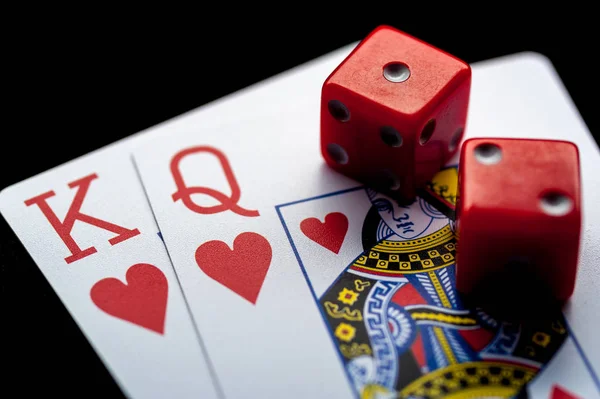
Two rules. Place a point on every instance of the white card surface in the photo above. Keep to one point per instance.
(209, 184)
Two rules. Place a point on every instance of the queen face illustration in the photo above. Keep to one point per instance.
(405, 221)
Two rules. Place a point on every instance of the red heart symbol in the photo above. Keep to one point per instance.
(559, 392)
(142, 301)
(329, 234)
(243, 269)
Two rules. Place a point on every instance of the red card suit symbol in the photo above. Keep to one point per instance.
(243, 269)
(142, 301)
(330, 234)
(560, 393)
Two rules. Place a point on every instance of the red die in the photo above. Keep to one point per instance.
(518, 214)
(393, 112)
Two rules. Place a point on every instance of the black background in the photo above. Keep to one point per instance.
(75, 86)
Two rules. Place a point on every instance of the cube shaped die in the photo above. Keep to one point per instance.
(394, 111)
(518, 211)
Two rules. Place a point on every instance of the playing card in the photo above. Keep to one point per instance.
(88, 226)
(261, 291)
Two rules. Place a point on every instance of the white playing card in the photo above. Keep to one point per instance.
(88, 226)
(215, 191)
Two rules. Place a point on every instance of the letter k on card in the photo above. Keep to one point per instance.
(64, 228)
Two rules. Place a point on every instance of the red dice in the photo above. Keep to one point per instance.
(393, 112)
(518, 214)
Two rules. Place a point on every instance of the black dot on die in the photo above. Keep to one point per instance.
(463, 383)
(471, 370)
(448, 375)
(427, 132)
(505, 382)
(455, 139)
(484, 380)
(495, 370)
(338, 110)
(390, 136)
